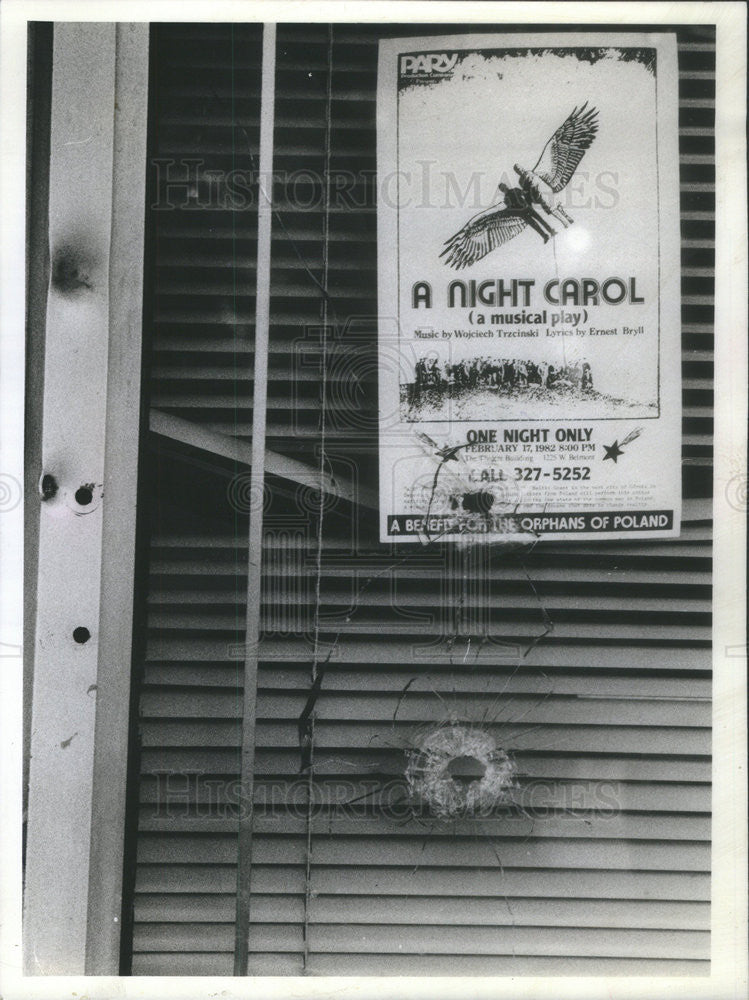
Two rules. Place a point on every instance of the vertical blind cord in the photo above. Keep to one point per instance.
(321, 496)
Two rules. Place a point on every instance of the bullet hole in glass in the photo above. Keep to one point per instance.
(466, 769)
(84, 495)
(48, 486)
(81, 634)
(480, 502)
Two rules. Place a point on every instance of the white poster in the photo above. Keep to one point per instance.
(529, 287)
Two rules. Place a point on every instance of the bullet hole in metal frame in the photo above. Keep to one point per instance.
(81, 634)
(71, 269)
(84, 495)
(48, 486)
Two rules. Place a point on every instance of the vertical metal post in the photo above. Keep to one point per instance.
(39, 91)
(257, 483)
(91, 376)
(120, 500)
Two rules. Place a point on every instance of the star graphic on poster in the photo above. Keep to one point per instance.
(613, 451)
(448, 453)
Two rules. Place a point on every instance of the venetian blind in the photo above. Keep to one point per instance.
(589, 662)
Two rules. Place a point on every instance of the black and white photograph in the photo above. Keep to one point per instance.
(373, 494)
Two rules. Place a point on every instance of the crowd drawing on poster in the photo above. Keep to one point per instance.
(485, 386)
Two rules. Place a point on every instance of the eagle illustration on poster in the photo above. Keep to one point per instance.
(504, 220)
